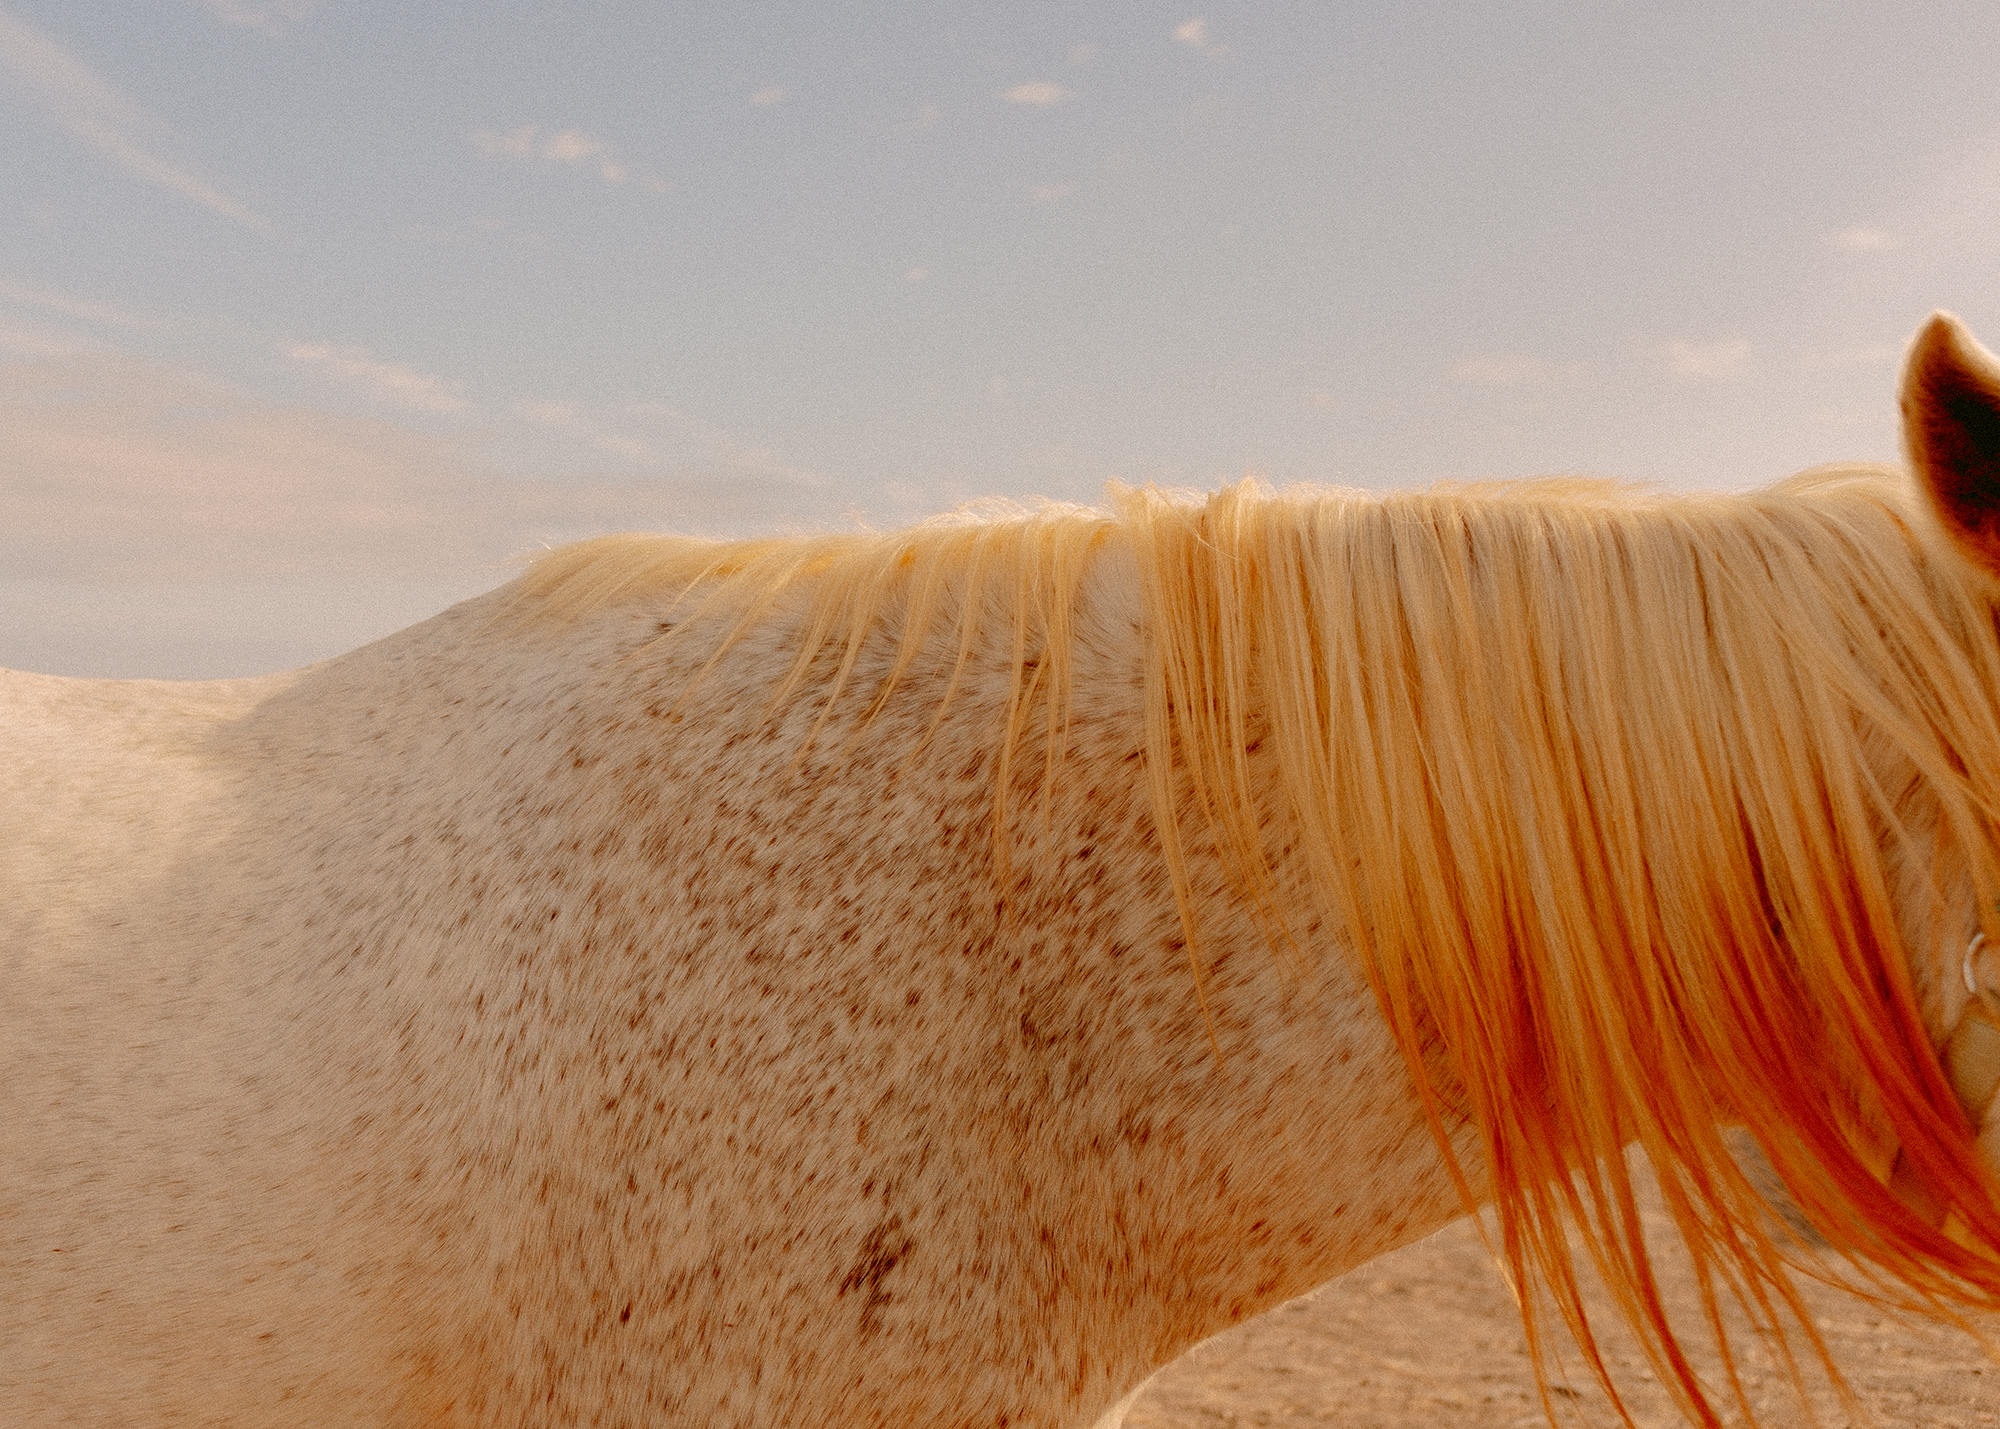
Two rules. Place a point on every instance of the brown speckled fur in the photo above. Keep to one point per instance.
(458, 1032)
(503, 1027)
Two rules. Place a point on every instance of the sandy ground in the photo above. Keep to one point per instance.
(1429, 1337)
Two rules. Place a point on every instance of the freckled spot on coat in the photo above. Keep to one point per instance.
(882, 1250)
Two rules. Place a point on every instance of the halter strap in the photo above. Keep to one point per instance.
(1972, 1065)
(1972, 1052)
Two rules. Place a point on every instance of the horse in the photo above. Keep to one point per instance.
(936, 977)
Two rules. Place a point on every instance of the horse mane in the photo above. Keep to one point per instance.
(1615, 796)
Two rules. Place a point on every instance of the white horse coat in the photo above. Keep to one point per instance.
(443, 1034)
(502, 1026)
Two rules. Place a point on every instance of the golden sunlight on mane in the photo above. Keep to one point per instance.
(1610, 792)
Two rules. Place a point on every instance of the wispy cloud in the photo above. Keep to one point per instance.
(1037, 91)
(1049, 193)
(917, 275)
(722, 450)
(101, 314)
(1082, 54)
(273, 18)
(115, 470)
(1945, 233)
(39, 342)
(1194, 34)
(385, 381)
(1861, 240)
(101, 117)
(1702, 360)
(1875, 355)
(769, 94)
(1502, 369)
(563, 146)
(567, 417)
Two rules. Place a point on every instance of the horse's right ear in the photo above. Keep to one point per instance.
(1951, 425)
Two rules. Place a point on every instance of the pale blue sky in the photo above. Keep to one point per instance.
(315, 313)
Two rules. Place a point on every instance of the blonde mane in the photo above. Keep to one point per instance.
(1615, 797)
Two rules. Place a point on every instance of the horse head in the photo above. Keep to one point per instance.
(1951, 427)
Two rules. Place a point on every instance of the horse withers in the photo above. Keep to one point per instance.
(937, 977)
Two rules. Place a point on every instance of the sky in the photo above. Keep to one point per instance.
(319, 315)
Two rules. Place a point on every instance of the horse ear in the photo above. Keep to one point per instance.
(1951, 425)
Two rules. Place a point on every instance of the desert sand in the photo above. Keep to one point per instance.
(1429, 1337)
